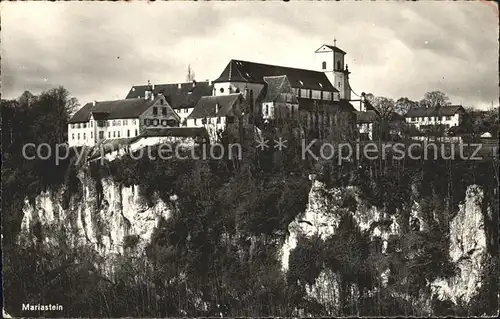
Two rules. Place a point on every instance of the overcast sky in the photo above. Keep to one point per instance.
(99, 50)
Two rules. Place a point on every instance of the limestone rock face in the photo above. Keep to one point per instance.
(467, 240)
(100, 218)
(467, 250)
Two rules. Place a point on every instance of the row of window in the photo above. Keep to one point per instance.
(157, 122)
(163, 110)
(339, 66)
(182, 111)
(432, 118)
(211, 120)
(313, 94)
(114, 134)
(103, 123)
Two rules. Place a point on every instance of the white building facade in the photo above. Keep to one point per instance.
(110, 120)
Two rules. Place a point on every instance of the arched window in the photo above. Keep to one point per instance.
(338, 65)
(323, 65)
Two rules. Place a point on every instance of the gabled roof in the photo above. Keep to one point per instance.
(206, 106)
(251, 72)
(331, 47)
(447, 110)
(184, 97)
(118, 109)
(277, 88)
(312, 105)
(369, 116)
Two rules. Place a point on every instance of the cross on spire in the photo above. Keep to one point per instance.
(334, 42)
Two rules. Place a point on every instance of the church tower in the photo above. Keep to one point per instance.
(330, 59)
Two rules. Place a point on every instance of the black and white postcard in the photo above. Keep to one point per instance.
(250, 159)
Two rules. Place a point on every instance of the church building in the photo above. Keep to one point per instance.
(244, 93)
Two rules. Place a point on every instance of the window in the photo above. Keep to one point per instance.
(164, 110)
(146, 122)
(91, 135)
(323, 65)
(101, 135)
(155, 110)
(413, 119)
(156, 122)
(73, 136)
(204, 121)
(448, 118)
(114, 134)
(218, 120)
(136, 132)
(91, 123)
(267, 110)
(84, 136)
(118, 134)
(84, 125)
(338, 65)
(128, 133)
(186, 110)
(161, 101)
(164, 122)
(316, 94)
(310, 94)
(78, 125)
(78, 135)
(125, 122)
(195, 120)
(109, 134)
(221, 90)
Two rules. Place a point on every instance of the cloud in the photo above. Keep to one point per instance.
(99, 50)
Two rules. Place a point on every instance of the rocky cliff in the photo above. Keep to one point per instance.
(345, 253)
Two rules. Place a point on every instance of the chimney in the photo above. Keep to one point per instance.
(209, 82)
(179, 86)
(194, 83)
(94, 102)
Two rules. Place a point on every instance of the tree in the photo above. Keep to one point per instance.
(385, 106)
(190, 74)
(404, 104)
(27, 99)
(434, 98)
